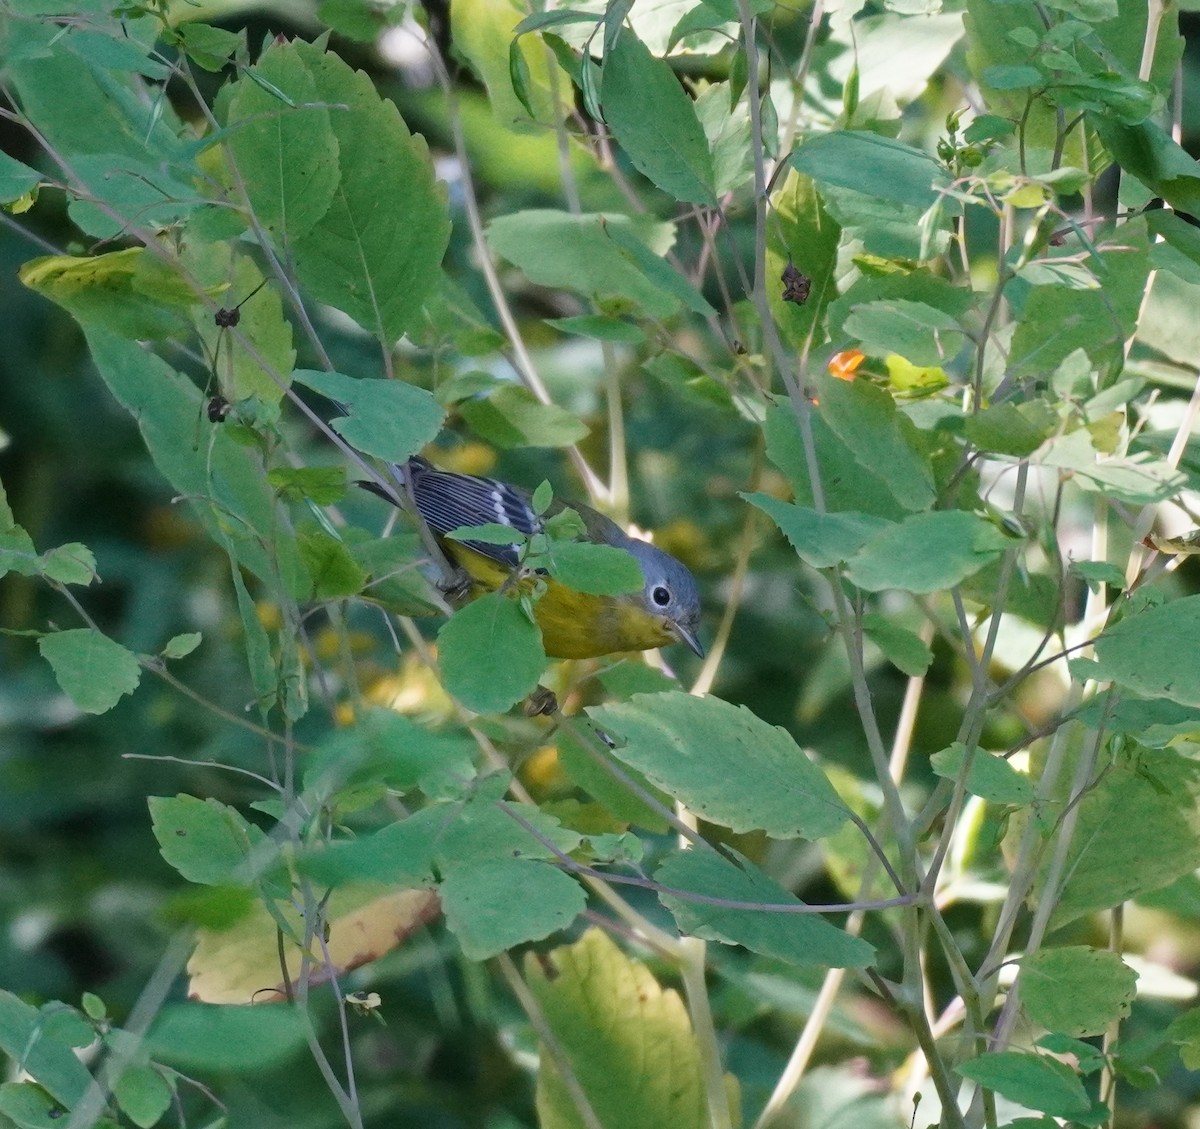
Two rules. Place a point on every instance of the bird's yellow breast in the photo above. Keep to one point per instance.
(575, 625)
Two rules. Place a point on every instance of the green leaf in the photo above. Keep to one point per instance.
(511, 416)
(903, 648)
(584, 770)
(685, 746)
(221, 480)
(1057, 320)
(487, 830)
(881, 438)
(919, 333)
(628, 1041)
(322, 485)
(42, 1043)
(483, 914)
(990, 777)
(180, 645)
(1151, 154)
(375, 254)
(400, 854)
(1150, 788)
(394, 579)
(799, 939)
(70, 564)
(484, 33)
(209, 842)
(287, 155)
(94, 671)
(263, 366)
(598, 569)
(387, 418)
(1033, 1081)
(803, 232)
(848, 485)
(1012, 429)
(225, 1038)
(1154, 652)
(129, 292)
(16, 179)
(207, 47)
(822, 540)
(334, 571)
(1139, 478)
(655, 122)
(1077, 990)
(29, 1106)
(600, 328)
(926, 553)
(1096, 573)
(657, 269)
(578, 253)
(1184, 1032)
(873, 165)
(143, 1095)
(490, 654)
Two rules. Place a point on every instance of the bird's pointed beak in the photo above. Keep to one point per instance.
(686, 635)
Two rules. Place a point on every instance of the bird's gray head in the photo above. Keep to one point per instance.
(670, 592)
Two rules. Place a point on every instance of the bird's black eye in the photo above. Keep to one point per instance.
(661, 596)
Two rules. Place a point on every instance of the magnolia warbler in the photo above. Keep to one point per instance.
(575, 625)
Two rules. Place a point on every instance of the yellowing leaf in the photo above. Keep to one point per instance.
(240, 965)
(129, 292)
(629, 1042)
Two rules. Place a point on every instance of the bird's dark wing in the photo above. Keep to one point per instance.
(447, 501)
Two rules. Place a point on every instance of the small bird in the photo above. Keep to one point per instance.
(575, 625)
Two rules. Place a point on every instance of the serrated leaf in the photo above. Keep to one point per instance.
(262, 368)
(70, 564)
(180, 645)
(921, 334)
(1012, 429)
(28, 1039)
(511, 416)
(1077, 990)
(485, 917)
(388, 418)
(906, 650)
(199, 1037)
(375, 254)
(576, 252)
(655, 122)
(990, 777)
(143, 1094)
(490, 654)
(223, 481)
(821, 540)
(685, 745)
(286, 155)
(209, 842)
(926, 553)
(628, 1041)
(1033, 1081)
(799, 939)
(95, 672)
(130, 292)
(866, 420)
(601, 570)
(873, 165)
(334, 571)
